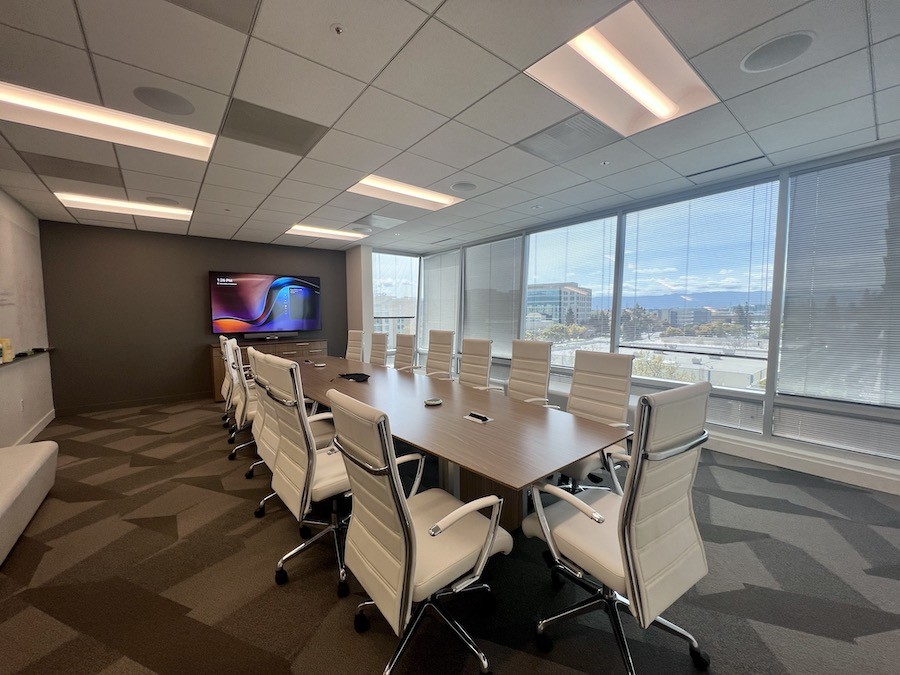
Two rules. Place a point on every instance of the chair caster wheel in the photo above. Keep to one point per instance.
(595, 478)
(249, 474)
(281, 577)
(556, 580)
(544, 642)
(305, 532)
(343, 589)
(700, 659)
(232, 455)
(361, 623)
(260, 512)
(225, 425)
(231, 440)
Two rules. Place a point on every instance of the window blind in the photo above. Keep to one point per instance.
(493, 293)
(395, 288)
(841, 324)
(439, 299)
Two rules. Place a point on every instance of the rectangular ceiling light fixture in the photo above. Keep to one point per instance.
(324, 233)
(48, 111)
(90, 203)
(624, 72)
(402, 193)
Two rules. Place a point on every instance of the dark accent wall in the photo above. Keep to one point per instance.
(128, 312)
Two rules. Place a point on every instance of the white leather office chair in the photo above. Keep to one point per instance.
(226, 383)
(439, 361)
(405, 356)
(354, 345)
(408, 552)
(643, 548)
(378, 356)
(305, 472)
(601, 384)
(243, 395)
(529, 372)
(264, 427)
(475, 363)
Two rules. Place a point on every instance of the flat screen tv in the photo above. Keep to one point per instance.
(264, 303)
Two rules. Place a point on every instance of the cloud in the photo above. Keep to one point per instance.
(657, 270)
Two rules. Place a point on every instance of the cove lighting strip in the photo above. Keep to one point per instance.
(324, 233)
(90, 203)
(57, 113)
(600, 53)
(402, 193)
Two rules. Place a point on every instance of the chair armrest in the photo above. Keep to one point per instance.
(618, 425)
(491, 387)
(406, 369)
(408, 458)
(543, 401)
(439, 375)
(573, 500)
(550, 405)
(461, 512)
(320, 417)
(618, 455)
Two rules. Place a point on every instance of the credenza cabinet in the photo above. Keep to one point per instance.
(293, 350)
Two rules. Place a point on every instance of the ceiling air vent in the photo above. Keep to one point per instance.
(569, 139)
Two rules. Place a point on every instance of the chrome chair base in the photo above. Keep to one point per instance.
(613, 603)
(338, 528)
(251, 471)
(361, 624)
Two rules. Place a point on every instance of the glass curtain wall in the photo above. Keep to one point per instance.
(439, 298)
(395, 287)
(492, 292)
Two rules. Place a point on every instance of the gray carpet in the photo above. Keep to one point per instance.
(146, 558)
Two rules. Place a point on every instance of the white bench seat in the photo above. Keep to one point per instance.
(27, 472)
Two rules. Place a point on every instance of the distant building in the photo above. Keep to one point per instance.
(553, 302)
(687, 316)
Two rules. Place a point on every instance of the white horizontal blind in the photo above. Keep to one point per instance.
(841, 326)
(746, 415)
(570, 286)
(439, 300)
(493, 293)
(395, 288)
(838, 431)
(696, 287)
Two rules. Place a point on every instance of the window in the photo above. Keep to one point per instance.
(439, 300)
(570, 286)
(696, 288)
(841, 328)
(493, 293)
(395, 285)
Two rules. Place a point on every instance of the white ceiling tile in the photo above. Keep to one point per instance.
(840, 80)
(665, 187)
(538, 207)
(163, 225)
(550, 180)
(707, 23)
(252, 157)
(54, 19)
(741, 169)
(164, 38)
(206, 207)
(329, 244)
(325, 174)
(822, 124)
(885, 58)
(415, 170)
(557, 215)
(522, 31)
(263, 227)
(276, 79)
(306, 192)
(839, 27)
(885, 19)
(518, 109)
(214, 193)
(202, 230)
(39, 63)
(437, 219)
(137, 159)
(161, 184)
(100, 216)
(210, 220)
(48, 211)
(352, 152)
(509, 165)
(504, 196)
(457, 145)
(253, 235)
(295, 207)
(605, 204)
(435, 70)
(38, 195)
(715, 155)
(887, 105)
(281, 218)
(119, 80)
(84, 188)
(355, 202)
(345, 216)
(319, 221)
(823, 148)
(586, 192)
(614, 158)
(384, 118)
(293, 240)
(230, 177)
(640, 177)
(699, 128)
(501, 217)
(373, 32)
(476, 226)
(106, 223)
(470, 209)
(136, 195)
(481, 184)
(20, 179)
(9, 159)
(55, 144)
(401, 212)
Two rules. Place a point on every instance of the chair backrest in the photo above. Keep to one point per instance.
(237, 392)
(440, 352)
(354, 345)
(265, 424)
(380, 548)
(295, 464)
(601, 383)
(378, 357)
(226, 380)
(662, 549)
(405, 357)
(246, 396)
(475, 363)
(529, 370)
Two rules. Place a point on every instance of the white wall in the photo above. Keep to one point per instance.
(26, 397)
(359, 294)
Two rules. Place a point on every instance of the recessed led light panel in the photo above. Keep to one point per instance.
(403, 193)
(89, 203)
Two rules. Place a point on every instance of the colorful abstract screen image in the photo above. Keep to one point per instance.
(263, 303)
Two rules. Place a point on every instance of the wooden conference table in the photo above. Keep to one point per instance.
(523, 444)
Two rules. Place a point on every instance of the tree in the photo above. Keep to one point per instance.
(570, 316)
(651, 364)
(636, 321)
